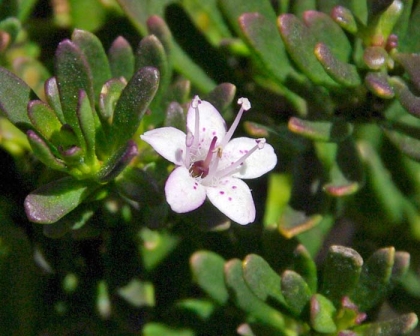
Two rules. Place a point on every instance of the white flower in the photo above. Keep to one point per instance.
(210, 163)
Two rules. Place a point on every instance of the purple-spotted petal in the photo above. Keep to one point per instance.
(233, 198)
(184, 193)
(260, 162)
(168, 142)
(211, 124)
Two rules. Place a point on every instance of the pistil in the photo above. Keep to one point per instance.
(201, 168)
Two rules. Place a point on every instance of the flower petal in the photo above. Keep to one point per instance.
(184, 193)
(168, 142)
(260, 162)
(233, 197)
(211, 124)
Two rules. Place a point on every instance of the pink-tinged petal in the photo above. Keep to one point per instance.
(260, 162)
(168, 142)
(233, 198)
(184, 193)
(211, 124)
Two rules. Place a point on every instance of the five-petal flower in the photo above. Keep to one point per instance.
(211, 164)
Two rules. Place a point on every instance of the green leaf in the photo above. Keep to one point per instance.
(341, 272)
(343, 73)
(246, 300)
(12, 27)
(329, 34)
(208, 19)
(262, 280)
(49, 203)
(155, 246)
(44, 153)
(346, 174)
(110, 93)
(151, 53)
(133, 103)
(294, 222)
(73, 75)
(402, 325)
(300, 42)
(322, 314)
(53, 98)
(175, 117)
(334, 131)
(139, 12)
(382, 24)
(44, 119)
(264, 40)
(88, 127)
(410, 43)
(87, 14)
(233, 9)
(407, 99)
(401, 266)
(405, 136)
(139, 186)
(374, 282)
(121, 58)
(221, 96)
(295, 292)
(377, 83)
(115, 164)
(96, 58)
(305, 266)
(208, 271)
(387, 195)
(344, 18)
(159, 329)
(14, 97)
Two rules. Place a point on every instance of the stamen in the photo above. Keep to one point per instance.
(195, 102)
(230, 169)
(245, 106)
(188, 143)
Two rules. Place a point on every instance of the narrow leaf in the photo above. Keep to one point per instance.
(49, 203)
(96, 58)
(121, 58)
(133, 103)
(43, 152)
(343, 73)
(117, 162)
(44, 119)
(73, 75)
(266, 43)
(53, 98)
(14, 97)
(334, 131)
(300, 43)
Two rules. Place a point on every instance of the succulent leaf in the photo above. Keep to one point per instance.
(49, 203)
(133, 103)
(121, 58)
(207, 270)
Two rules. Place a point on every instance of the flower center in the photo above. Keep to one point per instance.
(201, 168)
(207, 169)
